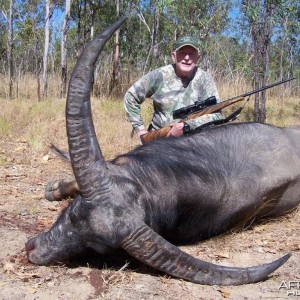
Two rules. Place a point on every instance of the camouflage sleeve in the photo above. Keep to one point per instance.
(136, 95)
(194, 123)
(210, 90)
(132, 106)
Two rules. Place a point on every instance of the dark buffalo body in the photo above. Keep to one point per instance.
(199, 186)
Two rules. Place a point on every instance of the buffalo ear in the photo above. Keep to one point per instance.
(150, 248)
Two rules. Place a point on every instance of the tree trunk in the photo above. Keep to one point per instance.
(82, 31)
(115, 78)
(64, 67)
(10, 51)
(92, 20)
(155, 43)
(46, 49)
(261, 31)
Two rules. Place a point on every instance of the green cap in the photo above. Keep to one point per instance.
(187, 41)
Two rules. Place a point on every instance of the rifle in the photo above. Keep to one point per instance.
(200, 108)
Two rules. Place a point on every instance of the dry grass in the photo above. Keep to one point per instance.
(26, 87)
(34, 122)
(280, 112)
(42, 123)
(282, 109)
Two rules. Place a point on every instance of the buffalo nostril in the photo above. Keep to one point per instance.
(29, 246)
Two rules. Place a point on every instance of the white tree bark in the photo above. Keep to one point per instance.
(64, 66)
(10, 50)
(115, 78)
(9, 19)
(46, 48)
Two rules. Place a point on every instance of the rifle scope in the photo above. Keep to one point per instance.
(199, 105)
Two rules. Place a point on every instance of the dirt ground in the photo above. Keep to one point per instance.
(24, 212)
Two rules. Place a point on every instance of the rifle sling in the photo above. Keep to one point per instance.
(228, 119)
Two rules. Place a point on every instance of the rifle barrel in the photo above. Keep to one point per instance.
(264, 88)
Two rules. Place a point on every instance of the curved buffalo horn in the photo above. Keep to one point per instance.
(150, 248)
(88, 163)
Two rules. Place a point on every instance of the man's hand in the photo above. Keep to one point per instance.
(141, 132)
(176, 130)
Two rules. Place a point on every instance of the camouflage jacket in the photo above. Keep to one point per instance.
(169, 93)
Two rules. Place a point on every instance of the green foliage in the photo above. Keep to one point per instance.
(157, 24)
(147, 38)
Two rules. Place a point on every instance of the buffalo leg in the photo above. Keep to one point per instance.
(57, 190)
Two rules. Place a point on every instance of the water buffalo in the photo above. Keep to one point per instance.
(169, 191)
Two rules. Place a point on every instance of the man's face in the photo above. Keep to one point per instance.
(185, 60)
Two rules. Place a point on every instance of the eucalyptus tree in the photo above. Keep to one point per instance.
(115, 77)
(10, 48)
(286, 49)
(65, 27)
(264, 18)
(90, 16)
(29, 26)
(161, 22)
(8, 15)
(3, 39)
(260, 15)
(202, 19)
(49, 11)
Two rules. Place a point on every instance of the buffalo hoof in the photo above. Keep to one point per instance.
(52, 190)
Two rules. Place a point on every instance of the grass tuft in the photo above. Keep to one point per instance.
(4, 126)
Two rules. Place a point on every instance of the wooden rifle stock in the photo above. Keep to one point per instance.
(155, 135)
(161, 133)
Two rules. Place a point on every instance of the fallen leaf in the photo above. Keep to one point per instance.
(21, 148)
(44, 222)
(8, 267)
(46, 158)
(259, 250)
(258, 229)
(260, 242)
(224, 293)
(222, 255)
(24, 276)
(53, 208)
(270, 251)
(31, 290)
(295, 247)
